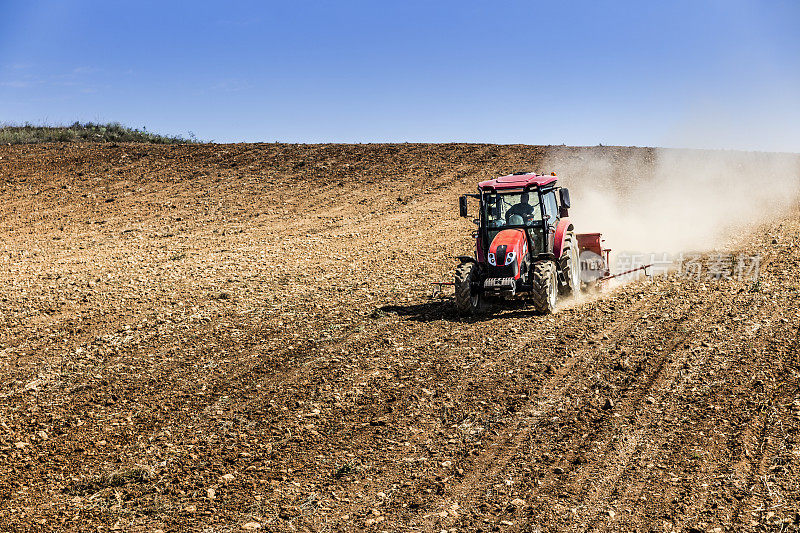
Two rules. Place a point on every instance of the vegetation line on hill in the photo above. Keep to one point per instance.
(85, 132)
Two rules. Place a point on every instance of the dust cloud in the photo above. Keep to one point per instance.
(668, 201)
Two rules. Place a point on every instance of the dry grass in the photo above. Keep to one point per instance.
(85, 132)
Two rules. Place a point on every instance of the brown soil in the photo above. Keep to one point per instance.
(217, 337)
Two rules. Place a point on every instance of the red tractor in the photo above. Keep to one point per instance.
(525, 244)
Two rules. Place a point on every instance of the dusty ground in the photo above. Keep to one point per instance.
(216, 337)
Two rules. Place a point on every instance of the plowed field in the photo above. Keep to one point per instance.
(219, 337)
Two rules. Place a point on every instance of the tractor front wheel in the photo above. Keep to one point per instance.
(467, 283)
(545, 286)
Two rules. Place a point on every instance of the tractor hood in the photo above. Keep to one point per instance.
(506, 252)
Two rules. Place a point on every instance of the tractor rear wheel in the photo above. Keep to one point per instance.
(545, 286)
(570, 265)
(468, 298)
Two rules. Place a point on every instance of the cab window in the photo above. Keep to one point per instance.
(550, 206)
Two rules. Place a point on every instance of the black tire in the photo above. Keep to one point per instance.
(545, 286)
(468, 298)
(570, 265)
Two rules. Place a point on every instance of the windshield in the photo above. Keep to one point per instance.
(512, 209)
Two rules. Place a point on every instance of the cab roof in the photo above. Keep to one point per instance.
(515, 181)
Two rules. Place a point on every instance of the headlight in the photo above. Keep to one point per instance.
(510, 256)
(491, 259)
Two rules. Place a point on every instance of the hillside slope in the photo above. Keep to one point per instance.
(206, 336)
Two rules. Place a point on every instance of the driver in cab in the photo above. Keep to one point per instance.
(523, 210)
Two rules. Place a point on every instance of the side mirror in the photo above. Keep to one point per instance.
(462, 206)
(564, 194)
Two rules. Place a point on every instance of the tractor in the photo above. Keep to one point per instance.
(525, 244)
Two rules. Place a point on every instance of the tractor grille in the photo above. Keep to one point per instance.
(500, 254)
(507, 271)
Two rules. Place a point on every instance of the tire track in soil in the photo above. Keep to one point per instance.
(631, 492)
(689, 498)
(761, 430)
(622, 457)
(593, 437)
(677, 494)
(627, 457)
(766, 441)
(677, 503)
(635, 490)
(642, 446)
(492, 462)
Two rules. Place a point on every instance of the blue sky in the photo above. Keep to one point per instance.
(716, 74)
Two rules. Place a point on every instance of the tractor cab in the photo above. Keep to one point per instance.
(513, 209)
(528, 202)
